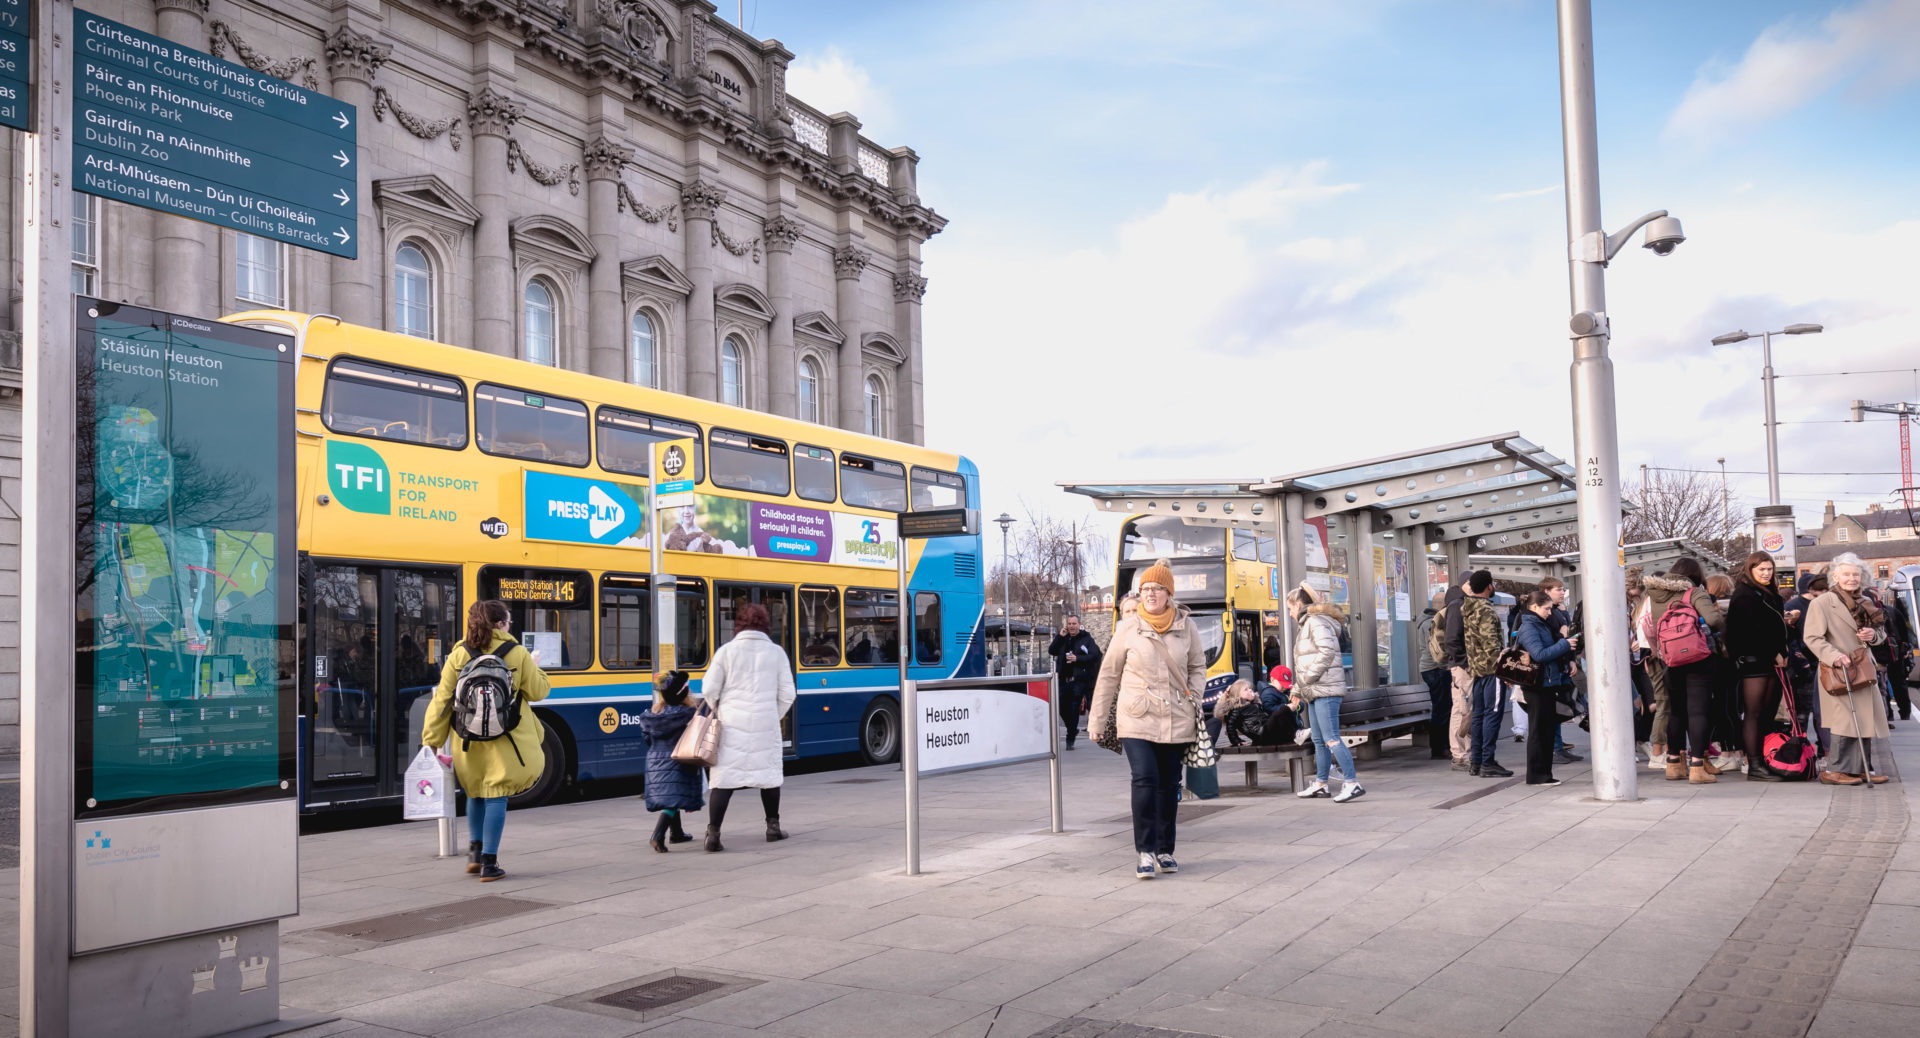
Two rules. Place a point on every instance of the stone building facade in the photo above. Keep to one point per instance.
(621, 187)
(1884, 538)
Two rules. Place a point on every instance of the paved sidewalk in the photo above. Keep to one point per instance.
(1520, 912)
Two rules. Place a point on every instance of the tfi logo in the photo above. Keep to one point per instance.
(359, 479)
(604, 514)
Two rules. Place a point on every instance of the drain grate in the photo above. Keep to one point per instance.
(656, 993)
(419, 922)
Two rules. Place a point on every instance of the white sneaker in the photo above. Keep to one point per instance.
(1351, 791)
(1301, 737)
(1146, 867)
(1317, 789)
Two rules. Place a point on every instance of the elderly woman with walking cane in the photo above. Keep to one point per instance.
(1840, 626)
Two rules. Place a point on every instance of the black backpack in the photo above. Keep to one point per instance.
(486, 706)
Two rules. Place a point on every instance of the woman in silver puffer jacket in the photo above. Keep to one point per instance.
(1320, 685)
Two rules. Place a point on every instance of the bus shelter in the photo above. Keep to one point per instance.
(1359, 533)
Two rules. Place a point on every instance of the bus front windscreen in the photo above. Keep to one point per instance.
(1166, 537)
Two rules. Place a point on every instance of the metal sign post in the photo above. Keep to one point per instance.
(669, 485)
(909, 712)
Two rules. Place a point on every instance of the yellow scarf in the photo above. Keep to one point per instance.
(1159, 623)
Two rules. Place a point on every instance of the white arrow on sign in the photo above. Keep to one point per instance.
(341, 157)
(342, 196)
(342, 234)
(341, 118)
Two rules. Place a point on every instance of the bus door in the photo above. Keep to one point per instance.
(730, 596)
(377, 635)
(1247, 633)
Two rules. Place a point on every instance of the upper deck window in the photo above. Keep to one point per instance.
(813, 473)
(1167, 537)
(390, 403)
(933, 488)
(626, 439)
(519, 424)
(757, 464)
(873, 483)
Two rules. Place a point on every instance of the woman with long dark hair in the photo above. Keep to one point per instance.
(1544, 644)
(490, 771)
(1757, 647)
(1689, 687)
(750, 684)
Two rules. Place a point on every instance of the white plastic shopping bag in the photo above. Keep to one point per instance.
(429, 788)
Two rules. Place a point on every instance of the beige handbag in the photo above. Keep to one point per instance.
(700, 743)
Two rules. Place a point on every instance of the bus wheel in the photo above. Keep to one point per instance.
(880, 732)
(552, 776)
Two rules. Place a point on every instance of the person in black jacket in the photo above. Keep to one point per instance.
(1900, 667)
(1802, 668)
(1757, 645)
(1076, 658)
(1453, 640)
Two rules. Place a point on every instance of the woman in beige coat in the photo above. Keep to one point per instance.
(1838, 623)
(1149, 687)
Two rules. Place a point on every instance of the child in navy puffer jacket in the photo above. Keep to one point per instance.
(672, 787)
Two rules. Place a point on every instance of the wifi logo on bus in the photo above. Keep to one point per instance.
(358, 478)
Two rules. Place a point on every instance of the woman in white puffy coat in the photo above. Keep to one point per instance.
(1319, 686)
(750, 684)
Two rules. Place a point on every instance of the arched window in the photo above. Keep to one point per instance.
(809, 390)
(876, 406)
(537, 322)
(733, 373)
(412, 291)
(640, 367)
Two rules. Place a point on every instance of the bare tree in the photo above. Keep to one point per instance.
(1053, 562)
(1675, 503)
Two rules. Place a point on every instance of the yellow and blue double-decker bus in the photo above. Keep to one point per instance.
(432, 476)
(1225, 577)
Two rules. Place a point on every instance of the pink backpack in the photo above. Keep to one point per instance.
(1681, 636)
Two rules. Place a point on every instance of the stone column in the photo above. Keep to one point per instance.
(491, 115)
(907, 291)
(186, 252)
(783, 363)
(698, 200)
(353, 58)
(606, 331)
(850, 388)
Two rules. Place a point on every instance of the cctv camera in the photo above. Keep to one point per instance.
(1664, 235)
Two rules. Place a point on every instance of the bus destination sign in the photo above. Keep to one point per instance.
(16, 56)
(944, 522)
(160, 125)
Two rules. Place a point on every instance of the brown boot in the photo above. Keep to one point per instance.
(1707, 766)
(1676, 769)
(1700, 773)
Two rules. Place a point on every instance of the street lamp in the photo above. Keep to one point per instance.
(1006, 587)
(1596, 432)
(1766, 381)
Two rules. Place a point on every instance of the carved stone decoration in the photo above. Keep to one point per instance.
(775, 73)
(384, 102)
(355, 55)
(700, 197)
(220, 35)
(629, 26)
(908, 287)
(697, 37)
(782, 232)
(198, 7)
(605, 159)
(738, 248)
(651, 214)
(492, 114)
(849, 263)
(544, 175)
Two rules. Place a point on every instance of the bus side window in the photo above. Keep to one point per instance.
(691, 639)
(391, 403)
(813, 473)
(626, 623)
(926, 627)
(819, 627)
(518, 424)
(873, 627)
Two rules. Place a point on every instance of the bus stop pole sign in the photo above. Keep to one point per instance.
(162, 126)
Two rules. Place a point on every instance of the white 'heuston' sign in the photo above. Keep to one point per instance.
(963, 727)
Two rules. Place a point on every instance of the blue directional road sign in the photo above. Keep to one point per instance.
(161, 125)
(16, 56)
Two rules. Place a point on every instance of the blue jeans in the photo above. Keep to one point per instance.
(1323, 719)
(486, 816)
(1156, 778)
(1489, 704)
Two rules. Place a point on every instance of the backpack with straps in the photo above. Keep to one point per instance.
(1436, 638)
(486, 706)
(1681, 635)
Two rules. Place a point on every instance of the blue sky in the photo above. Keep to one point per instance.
(1179, 229)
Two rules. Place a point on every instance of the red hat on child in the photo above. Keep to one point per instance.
(1282, 677)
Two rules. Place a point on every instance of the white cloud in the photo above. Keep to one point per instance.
(832, 82)
(1876, 44)
(1507, 196)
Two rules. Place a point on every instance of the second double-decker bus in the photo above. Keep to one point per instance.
(1224, 578)
(432, 476)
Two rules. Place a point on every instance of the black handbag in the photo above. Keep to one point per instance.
(1515, 667)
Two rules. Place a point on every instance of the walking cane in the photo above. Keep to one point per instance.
(1866, 741)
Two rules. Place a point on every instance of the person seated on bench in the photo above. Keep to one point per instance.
(1261, 717)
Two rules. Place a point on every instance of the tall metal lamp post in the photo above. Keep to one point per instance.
(1006, 587)
(1595, 422)
(1766, 381)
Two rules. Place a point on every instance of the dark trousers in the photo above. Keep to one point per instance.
(1440, 698)
(1543, 726)
(1643, 718)
(1156, 780)
(1689, 708)
(1070, 711)
(1898, 674)
(1489, 705)
(718, 800)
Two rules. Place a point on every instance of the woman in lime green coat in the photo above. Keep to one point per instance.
(496, 769)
